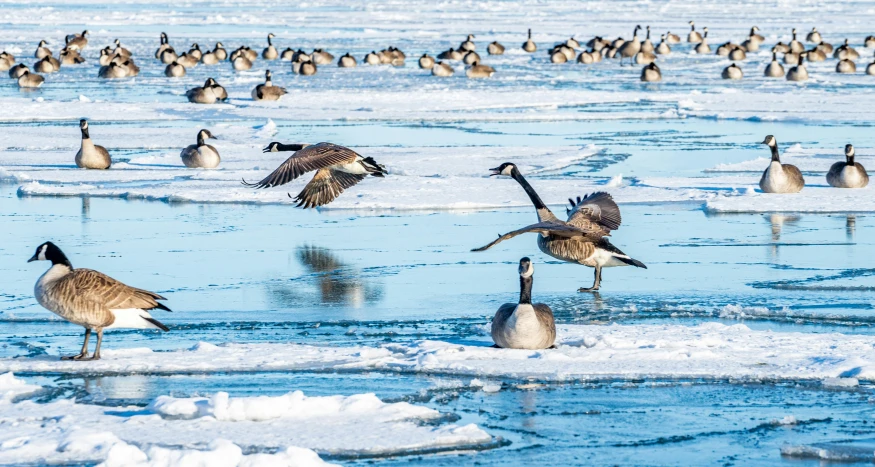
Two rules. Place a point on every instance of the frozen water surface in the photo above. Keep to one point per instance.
(358, 333)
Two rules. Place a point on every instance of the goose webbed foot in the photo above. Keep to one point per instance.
(595, 283)
(96, 356)
(593, 289)
(79, 356)
(495, 346)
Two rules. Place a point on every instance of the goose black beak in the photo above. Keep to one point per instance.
(495, 171)
(33, 258)
(267, 149)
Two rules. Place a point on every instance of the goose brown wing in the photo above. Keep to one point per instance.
(308, 159)
(549, 228)
(326, 185)
(595, 212)
(98, 289)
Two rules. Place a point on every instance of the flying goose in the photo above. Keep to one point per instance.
(269, 53)
(524, 325)
(90, 155)
(732, 72)
(30, 80)
(847, 174)
(77, 41)
(663, 48)
(18, 70)
(48, 64)
(468, 44)
(205, 94)
(672, 38)
(337, 168)
(201, 155)
(693, 37)
(426, 62)
(220, 51)
(796, 46)
(703, 47)
(494, 48)
(529, 45)
(92, 299)
(798, 72)
(630, 48)
(442, 69)
(42, 51)
(774, 69)
(267, 91)
(477, 70)
(846, 66)
(814, 36)
(780, 178)
(347, 61)
(174, 70)
(580, 239)
(651, 73)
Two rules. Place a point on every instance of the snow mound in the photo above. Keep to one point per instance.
(12, 387)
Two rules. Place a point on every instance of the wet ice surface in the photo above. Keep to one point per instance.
(747, 340)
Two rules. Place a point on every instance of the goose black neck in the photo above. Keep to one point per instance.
(200, 141)
(850, 160)
(268, 41)
(775, 156)
(289, 147)
(774, 56)
(56, 256)
(536, 200)
(85, 133)
(526, 290)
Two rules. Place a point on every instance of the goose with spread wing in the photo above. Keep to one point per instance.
(337, 168)
(580, 239)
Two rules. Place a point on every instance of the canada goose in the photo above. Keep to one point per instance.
(90, 155)
(737, 53)
(442, 69)
(617, 43)
(647, 45)
(189, 61)
(663, 48)
(30, 80)
(774, 69)
(791, 58)
(703, 48)
(845, 51)
(120, 50)
(450, 54)
(77, 41)
(48, 64)
(847, 174)
(529, 45)
(754, 36)
(724, 49)
(846, 66)
(372, 58)
(630, 48)
(572, 42)
(195, 51)
(693, 37)
(825, 48)
(347, 61)
(750, 45)
(426, 62)
(305, 67)
(644, 58)
(321, 57)
(781, 47)
(18, 70)
(105, 58)
(870, 70)
(174, 70)
(249, 53)
(524, 325)
(814, 36)
(42, 51)
(202, 94)
(798, 72)
(732, 72)
(672, 38)
(92, 299)
(556, 56)
(580, 239)
(131, 69)
(609, 52)
(201, 155)
(471, 58)
(869, 42)
(220, 51)
(270, 53)
(168, 56)
(241, 63)
(476, 70)
(597, 43)
(468, 44)
(337, 168)
(796, 46)
(6, 61)
(780, 178)
(651, 73)
(815, 55)
(70, 57)
(209, 58)
(494, 48)
(218, 90)
(267, 91)
(300, 56)
(163, 45)
(589, 57)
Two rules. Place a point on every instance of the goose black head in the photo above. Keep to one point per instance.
(849, 151)
(204, 134)
(526, 268)
(504, 169)
(83, 125)
(272, 147)
(770, 141)
(48, 251)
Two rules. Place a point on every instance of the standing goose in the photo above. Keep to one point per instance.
(847, 174)
(426, 62)
(442, 69)
(774, 69)
(476, 70)
(814, 36)
(42, 51)
(77, 41)
(732, 72)
(778, 177)
(92, 299)
(468, 44)
(174, 70)
(703, 47)
(672, 38)
(347, 61)
(270, 52)
(90, 155)
(48, 64)
(580, 239)
(201, 155)
(494, 48)
(647, 46)
(651, 73)
(796, 46)
(630, 48)
(663, 48)
(753, 41)
(337, 168)
(693, 37)
(798, 72)
(529, 45)
(30, 80)
(524, 325)
(267, 91)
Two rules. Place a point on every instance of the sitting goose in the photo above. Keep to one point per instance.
(737, 53)
(672, 38)
(778, 177)
(304, 67)
(209, 58)
(494, 48)
(267, 91)
(869, 42)
(732, 72)
(781, 47)
(815, 55)
(195, 51)
(270, 53)
(187, 60)
(201, 155)
(774, 69)
(42, 51)
(347, 61)
(471, 58)
(651, 73)
(524, 325)
(796, 46)
(112, 71)
(870, 69)
(663, 48)
(693, 37)
(174, 70)
(168, 56)
(119, 50)
(753, 41)
(580, 239)
(450, 54)
(589, 57)
(825, 48)
(847, 174)
(814, 36)
(18, 70)
(372, 58)
(846, 66)
(321, 57)
(442, 69)
(644, 58)
(337, 168)
(647, 46)
(70, 57)
(163, 45)
(77, 41)
(798, 72)
(48, 64)
(703, 47)
(476, 70)
(220, 51)
(240, 61)
(203, 94)
(468, 44)
(30, 80)
(249, 53)
(90, 155)
(426, 62)
(92, 299)
(6, 61)
(845, 51)
(529, 45)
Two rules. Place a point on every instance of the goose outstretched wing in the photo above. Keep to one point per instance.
(596, 212)
(326, 185)
(308, 159)
(550, 228)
